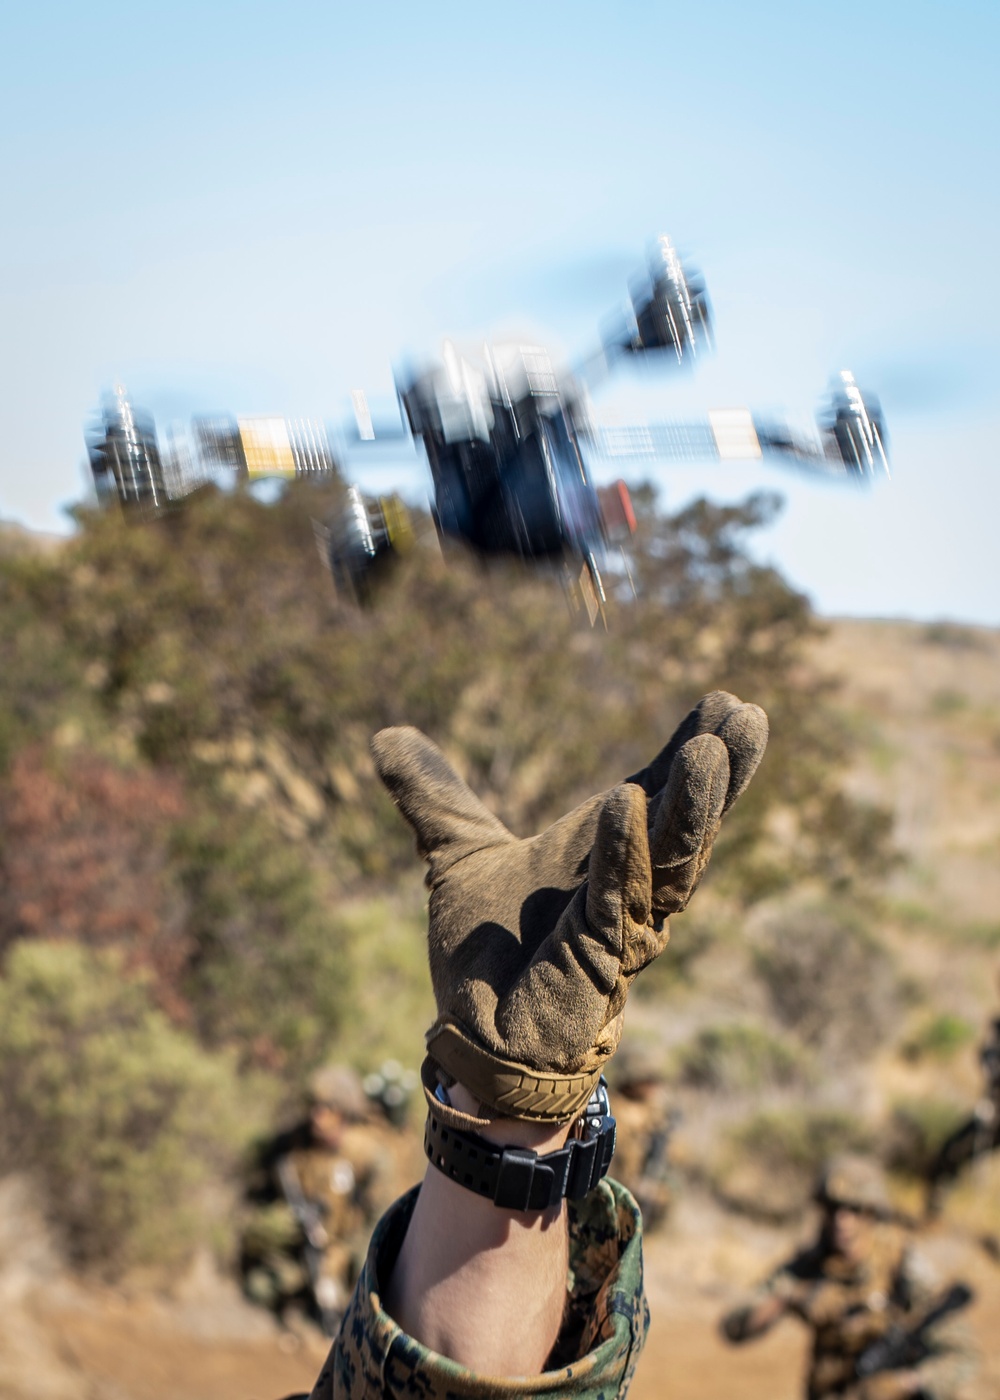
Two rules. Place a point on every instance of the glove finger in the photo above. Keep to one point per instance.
(619, 874)
(447, 816)
(620, 885)
(744, 733)
(687, 820)
(707, 717)
(557, 1006)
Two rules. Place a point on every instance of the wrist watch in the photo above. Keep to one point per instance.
(517, 1178)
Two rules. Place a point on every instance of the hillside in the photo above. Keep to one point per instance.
(204, 895)
(926, 700)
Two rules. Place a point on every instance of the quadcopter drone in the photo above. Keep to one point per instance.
(509, 442)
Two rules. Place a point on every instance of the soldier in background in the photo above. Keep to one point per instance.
(979, 1134)
(858, 1287)
(315, 1192)
(645, 1123)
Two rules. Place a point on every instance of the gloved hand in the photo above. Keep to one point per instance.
(533, 943)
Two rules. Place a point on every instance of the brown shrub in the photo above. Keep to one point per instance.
(84, 857)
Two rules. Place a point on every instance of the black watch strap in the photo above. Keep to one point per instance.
(516, 1178)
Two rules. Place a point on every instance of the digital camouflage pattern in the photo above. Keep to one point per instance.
(594, 1357)
(848, 1306)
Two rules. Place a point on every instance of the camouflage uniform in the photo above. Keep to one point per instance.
(343, 1184)
(849, 1305)
(594, 1357)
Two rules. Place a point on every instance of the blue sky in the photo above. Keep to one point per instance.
(258, 207)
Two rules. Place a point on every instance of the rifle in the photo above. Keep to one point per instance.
(310, 1220)
(900, 1346)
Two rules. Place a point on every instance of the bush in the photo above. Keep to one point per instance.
(121, 1118)
(979, 934)
(948, 702)
(219, 623)
(392, 1004)
(736, 1057)
(953, 636)
(769, 1162)
(938, 1037)
(828, 979)
(231, 916)
(917, 1130)
(85, 857)
(270, 972)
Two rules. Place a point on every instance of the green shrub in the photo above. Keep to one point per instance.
(737, 1057)
(799, 1140)
(393, 1003)
(269, 971)
(769, 1162)
(916, 1131)
(954, 636)
(948, 702)
(938, 1037)
(120, 1117)
(979, 934)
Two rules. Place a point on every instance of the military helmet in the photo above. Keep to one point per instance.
(853, 1181)
(340, 1088)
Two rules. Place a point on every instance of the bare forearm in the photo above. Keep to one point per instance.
(484, 1286)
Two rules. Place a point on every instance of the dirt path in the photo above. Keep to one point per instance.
(61, 1341)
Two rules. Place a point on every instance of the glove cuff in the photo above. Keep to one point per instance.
(510, 1089)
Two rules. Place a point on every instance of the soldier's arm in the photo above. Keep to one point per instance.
(533, 945)
(481, 1285)
(796, 1287)
(758, 1313)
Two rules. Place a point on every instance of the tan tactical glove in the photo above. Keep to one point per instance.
(533, 943)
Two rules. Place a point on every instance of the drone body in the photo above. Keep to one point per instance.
(505, 459)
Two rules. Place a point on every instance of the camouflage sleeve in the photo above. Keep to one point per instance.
(788, 1285)
(607, 1317)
